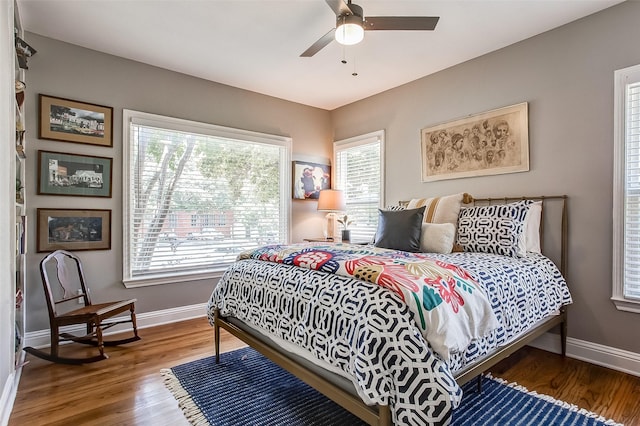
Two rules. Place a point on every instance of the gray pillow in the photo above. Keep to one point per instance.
(400, 230)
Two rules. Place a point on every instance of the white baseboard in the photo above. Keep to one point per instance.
(605, 356)
(41, 338)
(594, 353)
(9, 395)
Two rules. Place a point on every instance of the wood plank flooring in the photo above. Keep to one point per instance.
(127, 389)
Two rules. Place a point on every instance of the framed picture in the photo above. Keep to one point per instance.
(72, 121)
(70, 174)
(309, 179)
(490, 143)
(73, 230)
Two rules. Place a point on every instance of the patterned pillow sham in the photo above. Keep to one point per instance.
(494, 229)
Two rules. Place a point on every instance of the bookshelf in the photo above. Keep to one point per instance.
(19, 240)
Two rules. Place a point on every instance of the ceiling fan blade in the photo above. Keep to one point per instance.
(403, 23)
(339, 7)
(320, 44)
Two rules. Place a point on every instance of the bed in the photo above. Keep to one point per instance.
(393, 346)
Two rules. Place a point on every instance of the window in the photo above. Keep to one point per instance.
(626, 191)
(180, 178)
(359, 171)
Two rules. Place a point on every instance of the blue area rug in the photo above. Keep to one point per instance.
(248, 389)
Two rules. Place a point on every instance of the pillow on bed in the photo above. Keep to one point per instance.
(494, 229)
(399, 230)
(437, 238)
(440, 209)
(532, 228)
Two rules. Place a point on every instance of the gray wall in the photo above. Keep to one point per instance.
(68, 71)
(566, 76)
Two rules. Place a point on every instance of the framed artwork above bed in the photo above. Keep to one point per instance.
(489, 143)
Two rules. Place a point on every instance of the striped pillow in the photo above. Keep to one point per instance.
(440, 209)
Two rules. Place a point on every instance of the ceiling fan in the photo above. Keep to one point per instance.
(351, 25)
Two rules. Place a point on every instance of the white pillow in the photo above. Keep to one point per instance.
(532, 228)
(437, 237)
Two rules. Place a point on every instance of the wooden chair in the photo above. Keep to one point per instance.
(64, 288)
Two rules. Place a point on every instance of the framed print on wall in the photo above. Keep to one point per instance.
(73, 121)
(76, 175)
(309, 179)
(490, 143)
(73, 229)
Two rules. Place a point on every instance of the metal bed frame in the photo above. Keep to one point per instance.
(381, 415)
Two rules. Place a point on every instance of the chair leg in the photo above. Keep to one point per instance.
(99, 340)
(133, 322)
(55, 340)
(53, 355)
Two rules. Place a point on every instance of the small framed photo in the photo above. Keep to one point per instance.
(73, 230)
(309, 179)
(73, 121)
(75, 175)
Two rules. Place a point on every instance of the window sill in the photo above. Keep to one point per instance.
(627, 305)
(171, 279)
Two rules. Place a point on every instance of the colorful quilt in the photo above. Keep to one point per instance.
(449, 307)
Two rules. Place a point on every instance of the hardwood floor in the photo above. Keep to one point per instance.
(127, 389)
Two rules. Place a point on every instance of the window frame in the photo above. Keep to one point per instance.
(622, 78)
(130, 117)
(377, 136)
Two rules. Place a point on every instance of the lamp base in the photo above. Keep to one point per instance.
(329, 231)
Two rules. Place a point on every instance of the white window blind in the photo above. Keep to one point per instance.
(196, 195)
(359, 170)
(626, 292)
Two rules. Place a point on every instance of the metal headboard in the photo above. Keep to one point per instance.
(564, 232)
(561, 199)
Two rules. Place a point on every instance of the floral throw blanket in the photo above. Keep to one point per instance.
(448, 305)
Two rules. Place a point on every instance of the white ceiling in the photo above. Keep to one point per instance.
(256, 44)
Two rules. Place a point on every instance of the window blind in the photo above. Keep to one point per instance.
(632, 193)
(359, 174)
(196, 200)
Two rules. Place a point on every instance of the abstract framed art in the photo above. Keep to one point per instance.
(489, 143)
(309, 179)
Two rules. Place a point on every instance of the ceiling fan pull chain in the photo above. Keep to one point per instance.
(344, 54)
(354, 73)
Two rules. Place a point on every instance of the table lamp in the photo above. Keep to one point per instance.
(332, 201)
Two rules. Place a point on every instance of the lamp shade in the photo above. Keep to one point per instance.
(331, 200)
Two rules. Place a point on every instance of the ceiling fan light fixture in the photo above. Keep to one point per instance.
(349, 30)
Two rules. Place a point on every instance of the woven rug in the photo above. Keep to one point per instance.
(245, 388)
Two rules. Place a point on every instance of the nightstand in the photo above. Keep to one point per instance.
(334, 240)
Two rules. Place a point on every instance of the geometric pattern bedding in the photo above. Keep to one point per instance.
(370, 334)
(521, 291)
(450, 308)
(361, 328)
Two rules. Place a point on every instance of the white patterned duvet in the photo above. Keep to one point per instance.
(369, 334)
